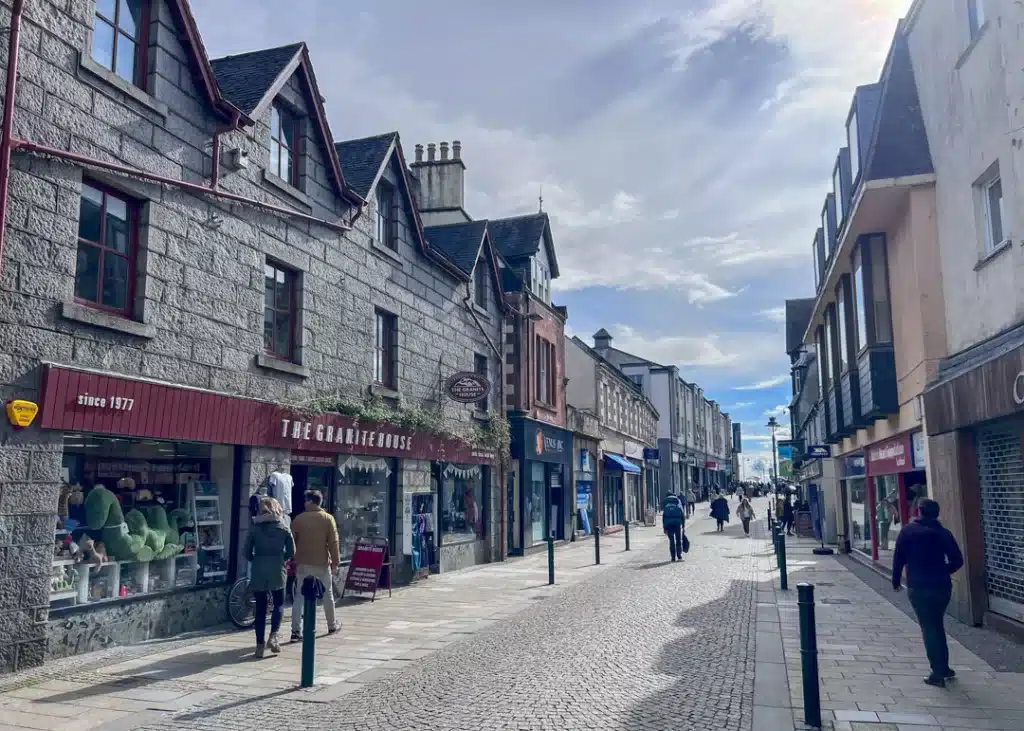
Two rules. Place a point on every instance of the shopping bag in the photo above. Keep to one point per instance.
(686, 544)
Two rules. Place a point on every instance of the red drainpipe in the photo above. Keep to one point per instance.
(7, 125)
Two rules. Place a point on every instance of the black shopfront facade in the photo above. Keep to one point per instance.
(539, 485)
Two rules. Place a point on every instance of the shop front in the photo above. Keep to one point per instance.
(156, 497)
(543, 454)
(584, 476)
(619, 476)
(855, 523)
(635, 488)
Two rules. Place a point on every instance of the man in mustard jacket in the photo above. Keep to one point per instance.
(316, 555)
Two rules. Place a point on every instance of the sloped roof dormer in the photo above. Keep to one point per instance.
(252, 81)
(521, 236)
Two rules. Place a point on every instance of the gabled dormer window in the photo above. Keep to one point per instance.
(480, 283)
(284, 139)
(118, 38)
(386, 216)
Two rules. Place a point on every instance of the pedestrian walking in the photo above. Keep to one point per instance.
(931, 556)
(788, 516)
(268, 545)
(691, 502)
(316, 555)
(672, 522)
(720, 511)
(745, 512)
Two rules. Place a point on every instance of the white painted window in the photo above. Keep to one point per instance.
(992, 202)
(837, 189)
(853, 143)
(975, 17)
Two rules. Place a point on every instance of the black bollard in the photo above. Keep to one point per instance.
(312, 590)
(597, 544)
(551, 558)
(809, 655)
(626, 527)
(783, 579)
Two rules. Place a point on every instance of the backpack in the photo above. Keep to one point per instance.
(672, 514)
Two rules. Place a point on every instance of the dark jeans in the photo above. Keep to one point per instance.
(930, 607)
(690, 507)
(788, 523)
(261, 613)
(721, 524)
(675, 540)
(746, 525)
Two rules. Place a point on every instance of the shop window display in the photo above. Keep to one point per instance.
(887, 513)
(422, 529)
(860, 517)
(462, 501)
(138, 517)
(362, 509)
(535, 501)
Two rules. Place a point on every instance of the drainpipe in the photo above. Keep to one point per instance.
(7, 125)
(502, 466)
(27, 146)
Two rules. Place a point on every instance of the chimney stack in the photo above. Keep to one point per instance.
(440, 191)
(456, 150)
(419, 153)
(444, 150)
(431, 151)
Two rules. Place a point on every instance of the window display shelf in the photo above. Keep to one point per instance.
(211, 548)
(201, 523)
(207, 497)
(209, 574)
(64, 562)
(58, 596)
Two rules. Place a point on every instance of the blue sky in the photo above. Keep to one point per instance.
(684, 147)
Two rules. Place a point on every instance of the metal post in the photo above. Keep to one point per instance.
(809, 655)
(597, 540)
(783, 579)
(309, 593)
(625, 527)
(551, 558)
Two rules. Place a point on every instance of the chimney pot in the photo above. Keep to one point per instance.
(419, 153)
(456, 150)
(444, 150)
(431, 151)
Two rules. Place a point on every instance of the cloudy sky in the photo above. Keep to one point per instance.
(683, 147)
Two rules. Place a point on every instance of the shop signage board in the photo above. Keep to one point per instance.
(652, 455)
(534, 440)
(370, 568)
(917, 444)
(466, 387)
(819, 451)
(88, 401)
(890, 456)
(633, 450)
(989, 391)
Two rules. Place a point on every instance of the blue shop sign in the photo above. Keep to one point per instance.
(819, 451)
(651, 455)
(540, 442)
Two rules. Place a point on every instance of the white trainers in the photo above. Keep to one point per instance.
(273, 644)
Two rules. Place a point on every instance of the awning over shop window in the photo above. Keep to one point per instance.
(618, 463)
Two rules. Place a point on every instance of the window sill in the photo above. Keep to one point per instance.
(282, 366)
(480, 415)
(105, 80)
(541, 405)
(97, 318)
(448, 540)
(285, 188)
(382, 391)
(984, 261)
(379, 248)
(970, 47)
(482, 312)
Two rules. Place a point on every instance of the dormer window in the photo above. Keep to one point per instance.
(837, 189)
(284, 139)
(480, 283)
(386, 216)
(853, 143)
(118, 38)
(975, 17)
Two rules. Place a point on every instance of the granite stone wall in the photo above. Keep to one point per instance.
(197, 315)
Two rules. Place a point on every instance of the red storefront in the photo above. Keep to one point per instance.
(895, 472)
(178, 461)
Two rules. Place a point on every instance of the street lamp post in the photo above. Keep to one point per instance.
(773, 425)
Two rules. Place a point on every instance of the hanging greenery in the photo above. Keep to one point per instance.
(495, 435)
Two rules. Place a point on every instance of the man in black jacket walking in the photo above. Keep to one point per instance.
(931, 556)
(672, 522)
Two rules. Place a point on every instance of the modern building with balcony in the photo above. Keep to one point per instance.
(876, 324)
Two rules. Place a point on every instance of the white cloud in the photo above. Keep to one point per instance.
(765, 384)
(727, 352)
(778, 412)
(741, 405)
(773, 314)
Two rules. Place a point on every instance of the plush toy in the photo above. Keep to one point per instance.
(139, 526)
(143, 495)
(103, 511)
(99, 553)
(158, 521)
(75, 495)
(62, 500)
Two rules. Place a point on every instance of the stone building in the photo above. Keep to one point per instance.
(199, 289)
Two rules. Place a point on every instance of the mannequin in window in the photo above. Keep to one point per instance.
(279, 485)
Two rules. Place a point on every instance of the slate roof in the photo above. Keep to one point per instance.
(245, 78)
(362, 159)
(459, 242)
(899, 143)
(521, 236)
(798, 317)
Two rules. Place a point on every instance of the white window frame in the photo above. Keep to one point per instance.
(837, 192)
(975, 17)
(853, 143)
(986, 202)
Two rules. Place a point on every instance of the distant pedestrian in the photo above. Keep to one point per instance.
(788, 516)
(672, 522)
(931, 556)
(268, 545)
(691, 502)
(720, 511)
(316, 555)
(745, 512)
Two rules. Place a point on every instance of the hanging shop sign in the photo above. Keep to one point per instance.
(917, 444)
(21, 413)
(540, 442)
(466, 387)
(632, 449)
(164, 411)
(819, 451)
(890, 456)
(370, 568)
(652, 455)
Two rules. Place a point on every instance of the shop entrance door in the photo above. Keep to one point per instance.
(555, 511)
(307, 477)
(1001, 478)
(514, 529)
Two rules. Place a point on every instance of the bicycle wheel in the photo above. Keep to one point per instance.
(241, 604)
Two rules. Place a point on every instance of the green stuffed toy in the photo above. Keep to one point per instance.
(103, 511)
(158, 521)
(138, 526)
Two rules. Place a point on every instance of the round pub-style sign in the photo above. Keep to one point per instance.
(467, 388)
